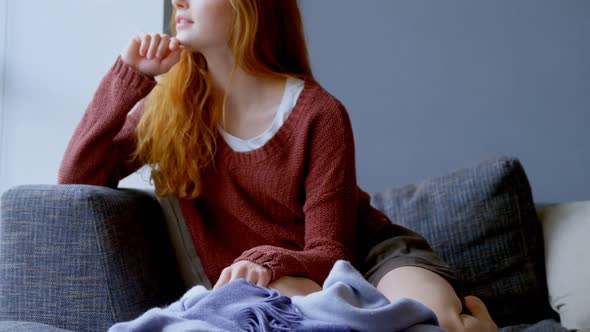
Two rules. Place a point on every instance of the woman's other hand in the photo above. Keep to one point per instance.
(152, 54)
(480, 319)
(250, 271)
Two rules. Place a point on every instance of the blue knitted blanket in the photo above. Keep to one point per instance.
(347, 302)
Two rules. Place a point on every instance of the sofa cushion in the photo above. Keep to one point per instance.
(83, 257)
(481, 219)
(566, 229)
(18, 326)
(546, 325)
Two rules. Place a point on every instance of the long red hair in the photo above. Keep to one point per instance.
(177, 133)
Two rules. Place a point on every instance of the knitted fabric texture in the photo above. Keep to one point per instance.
(293, 205)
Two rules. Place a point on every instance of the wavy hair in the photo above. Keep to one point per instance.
(177, 132)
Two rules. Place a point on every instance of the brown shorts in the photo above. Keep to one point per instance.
(409, 249)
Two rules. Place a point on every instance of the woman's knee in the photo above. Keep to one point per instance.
(292, 286)
(425, 287)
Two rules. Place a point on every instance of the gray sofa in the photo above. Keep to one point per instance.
(81, 257)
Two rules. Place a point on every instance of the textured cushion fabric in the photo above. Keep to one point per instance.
(546, 325)
(13, 326)
(83, 257)
(566, 229)
(481, 219)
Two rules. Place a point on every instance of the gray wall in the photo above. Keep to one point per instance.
(433, 85)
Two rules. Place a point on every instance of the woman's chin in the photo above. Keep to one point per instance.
(188, 45)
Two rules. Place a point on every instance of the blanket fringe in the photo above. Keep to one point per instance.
(275, 313)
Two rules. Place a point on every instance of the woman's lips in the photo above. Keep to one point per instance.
(183, 24)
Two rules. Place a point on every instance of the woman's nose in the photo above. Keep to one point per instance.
(179, 3)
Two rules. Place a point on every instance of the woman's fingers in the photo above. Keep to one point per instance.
(237, 272)
(223, 278)
(171, 59)
(263, 279)
(478, 308)
(155, 43)
(152, 54)
(255, 273)
(252, 276)
(163, 51)
(134, 45)
(480, 319)
(174, 43)
(145, 44)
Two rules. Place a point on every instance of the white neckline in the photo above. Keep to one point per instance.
(279, 118)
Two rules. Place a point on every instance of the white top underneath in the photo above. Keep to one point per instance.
(293, 88)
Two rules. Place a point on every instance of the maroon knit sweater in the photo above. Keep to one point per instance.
(292, 205)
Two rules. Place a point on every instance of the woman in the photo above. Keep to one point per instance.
(260, 156)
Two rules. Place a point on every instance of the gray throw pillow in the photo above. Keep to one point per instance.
(482, 221)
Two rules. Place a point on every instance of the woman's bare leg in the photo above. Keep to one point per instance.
(433, 291)
(291, 286)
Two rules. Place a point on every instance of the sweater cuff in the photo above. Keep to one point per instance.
(267, 259)
(132, 78)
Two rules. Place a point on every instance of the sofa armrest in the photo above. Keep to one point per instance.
(566, 230)
(83, 257)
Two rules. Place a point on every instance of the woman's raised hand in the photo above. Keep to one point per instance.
(152, 54)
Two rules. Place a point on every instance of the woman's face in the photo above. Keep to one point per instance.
(202, 24)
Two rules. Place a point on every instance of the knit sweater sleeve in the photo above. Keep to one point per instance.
(330, 207)
(98, 150)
